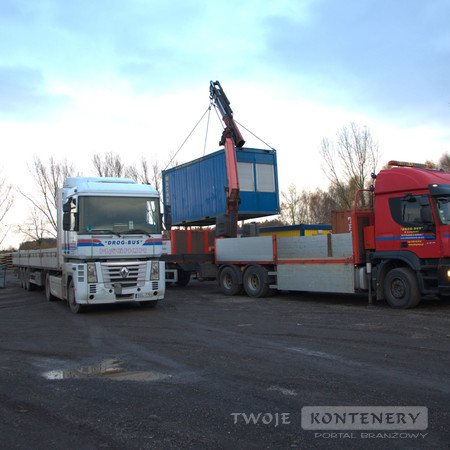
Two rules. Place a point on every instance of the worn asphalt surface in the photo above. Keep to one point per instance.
(207, 371)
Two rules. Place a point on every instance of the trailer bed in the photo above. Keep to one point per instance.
(44, 259)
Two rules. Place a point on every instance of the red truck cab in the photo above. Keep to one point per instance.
(411, 233)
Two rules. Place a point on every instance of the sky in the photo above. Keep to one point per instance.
(132, 78)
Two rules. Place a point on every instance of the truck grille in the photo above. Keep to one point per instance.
(126, 274)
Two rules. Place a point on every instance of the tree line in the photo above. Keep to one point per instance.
(347, 161)
(41, 223)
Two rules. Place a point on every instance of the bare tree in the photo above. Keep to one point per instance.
(322, 203)
(6, 202)
(309, 207)
(290, 204)
(295, 206)
(48, 179)
(108, 165)
(156, 180)
(36, 227)
(146, 173)
(349, 161)
(444, 162)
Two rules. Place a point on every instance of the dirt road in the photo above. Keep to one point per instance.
(207, 371)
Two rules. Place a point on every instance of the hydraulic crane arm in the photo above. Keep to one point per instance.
(231, 138)
(217, 94)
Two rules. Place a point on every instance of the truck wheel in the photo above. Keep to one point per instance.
(229, 281)
(28, 285)
(401, 288)
(48, 295)
(21, 282)
(24, 279)
(71, 300)
(183, 278)
(254, 284)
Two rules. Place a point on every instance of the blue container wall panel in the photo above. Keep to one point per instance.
(196, 191)
(259, 203)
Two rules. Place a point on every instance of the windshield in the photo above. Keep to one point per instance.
(119, 215)
(443, 209)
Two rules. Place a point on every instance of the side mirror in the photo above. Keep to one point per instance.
(168, 217)
(67, 206)
(66, 221)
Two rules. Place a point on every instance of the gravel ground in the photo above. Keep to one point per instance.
(207, 371)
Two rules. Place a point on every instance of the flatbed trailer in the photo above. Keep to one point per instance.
(260, 265)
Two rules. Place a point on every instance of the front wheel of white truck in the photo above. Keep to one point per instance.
(48, 292)
(75, 307)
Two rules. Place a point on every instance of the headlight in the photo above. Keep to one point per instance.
(448, 274)
(92, 273)
(154, 275)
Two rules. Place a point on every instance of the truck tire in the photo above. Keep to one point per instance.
(183, 278)
(254, 283)
(401, 289)
(28, 285)
(229, 281)
(75, 307)
(21, 278)
(48, 294)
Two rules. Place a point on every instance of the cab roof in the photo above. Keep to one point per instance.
(107, 186)
(403, 179)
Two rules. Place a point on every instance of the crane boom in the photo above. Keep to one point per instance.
(231, 138)
(223, 104)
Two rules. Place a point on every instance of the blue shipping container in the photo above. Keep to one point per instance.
(195, 192)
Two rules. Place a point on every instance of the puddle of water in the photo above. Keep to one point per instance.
(109, 368)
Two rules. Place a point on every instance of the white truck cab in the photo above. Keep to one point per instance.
(109, 245)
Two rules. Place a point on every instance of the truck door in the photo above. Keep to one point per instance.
(70, 224)
(414, 227)
(442, 205)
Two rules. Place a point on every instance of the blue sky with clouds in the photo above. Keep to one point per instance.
(390, 56)
(85, 77)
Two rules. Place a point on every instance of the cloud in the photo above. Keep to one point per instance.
(23, 95)
(381, 59)
(392, 60)
(17, 10)
(151, 45)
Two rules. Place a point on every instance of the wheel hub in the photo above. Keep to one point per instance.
(398, 288)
